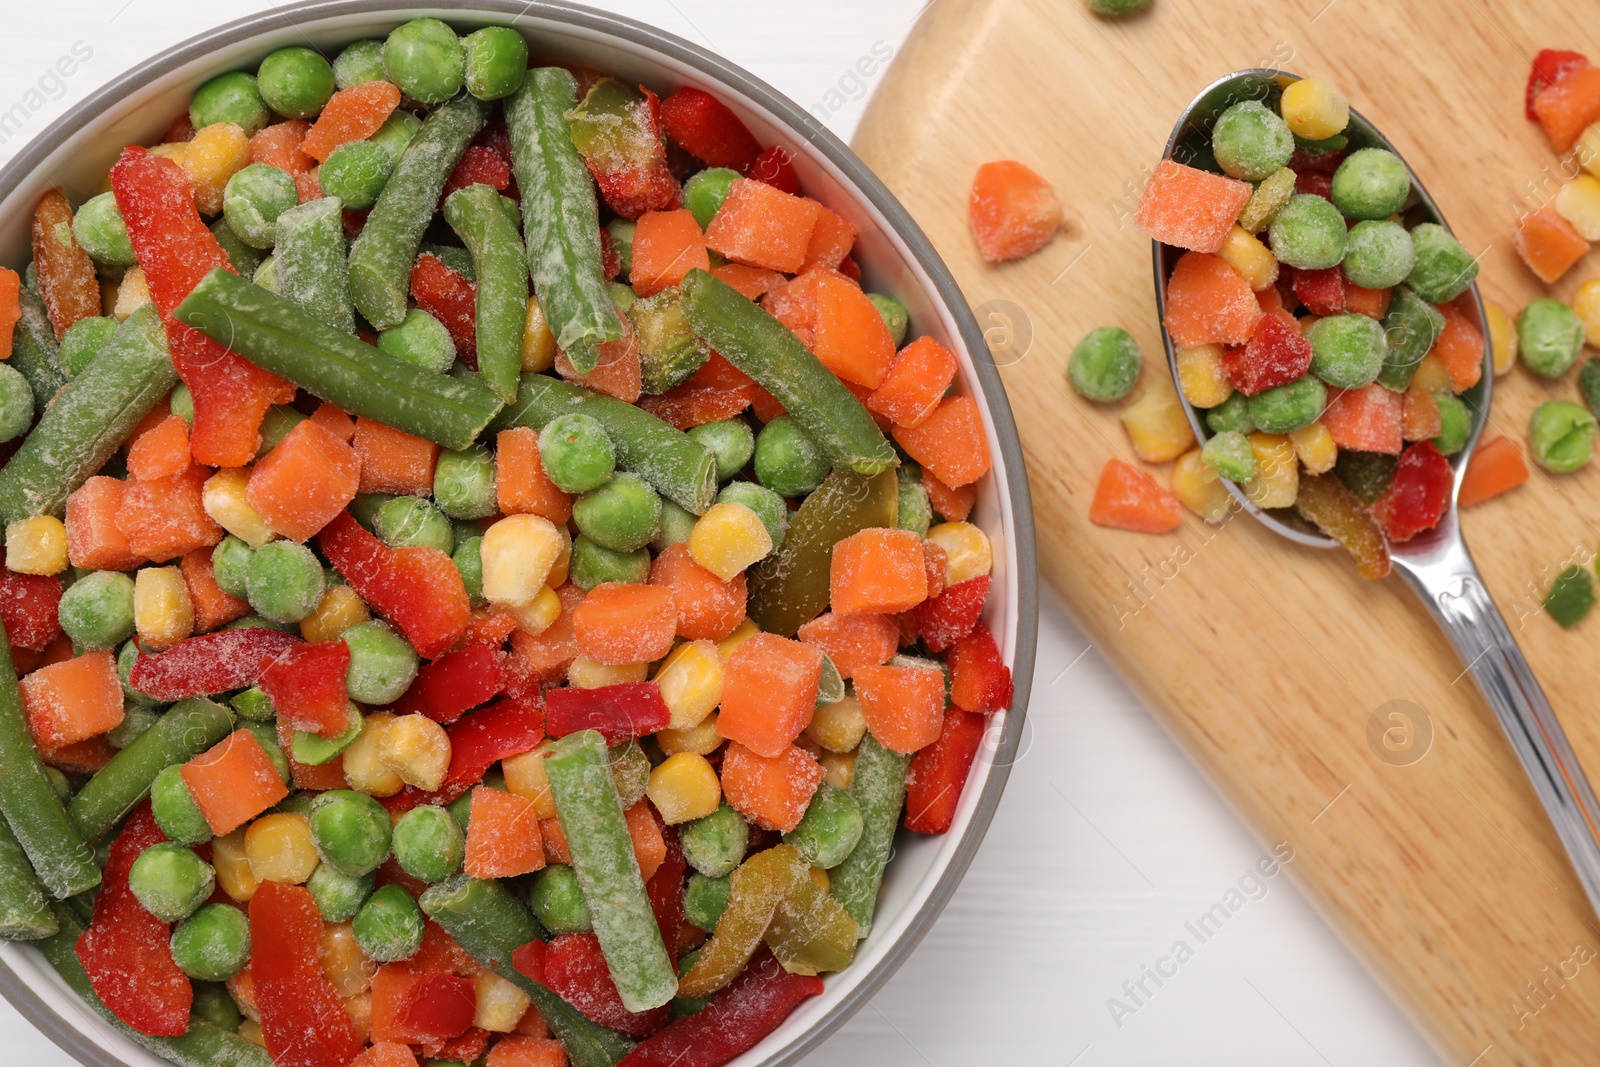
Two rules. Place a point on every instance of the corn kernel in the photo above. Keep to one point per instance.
(1316, 448)
(501, 1005)
(1200, 374)
(585, 673)
(163, 613)
(562, 567)
(538, 343)
(417, 749)
(690, 679)
(132, 294)
(364, 768)
(1313, 110)
(1245, 253)
(1277, 479)
(526, 778)
(37, 546)
(1503, 335)
(340, 609)
(837, 767)
(173, 150)
(215, 154)
(702, 740)
(1197, 486)
(838, 727)
(232, 864)
(251, 1031)
(1587, 149)
(225, 501)
(1157, 425)
(280, 848)
(518, 552)
(1432, 374)
(741, 633)
(684, 786)
(970, 554)
(538, 614)
(359, 1008)
(343, 962)
(1578, 202)
(727, 539)
(1585, 304)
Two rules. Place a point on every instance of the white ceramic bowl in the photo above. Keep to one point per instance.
(76, 152)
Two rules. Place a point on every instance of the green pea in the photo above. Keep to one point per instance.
(351, 831)
(389, 926)
(275, 426)
(705, 899)
(213, 944)
(1371, 183)
(715, 844)
(339, 896)
(82, 342)
(425, 59)
(621, 515)
(283, 581)
(1346, 352)
(1251, 141)
(787, 461)
(731, 441)
(771, 508)
(1378, 254)
(1308, 234)
(1589, 384)
(1570, 597)
(830, 828)
(411, 521)
(1289, 407)
(244, 260)
(705, 191)
(1549, 337)
(233, 97)
(125, 660)
(1104, 365)
(497, 62)
(359, 63)
(428, 844)
(254, 705)
(97, 611)
(230, 566)
(100, 231)
(182, 403)
(396, 133)
(256, 620)
(356, 173)
(1562, 436)
(576, 453)
(468, 558)
(295, 82)
(254, 198)
(135, 721)
(1455, 424)
(215, 1005)
(894, 315)
(630, 771)
(916, 511)
(1444, 270)
(382, 663)
(594, 564)
(1230, 455)
(557, 901)
(676, 525)
(463, 484)
(620, 230)
(1232, 414)
(16, 403)
(171, 881)
(420, 339)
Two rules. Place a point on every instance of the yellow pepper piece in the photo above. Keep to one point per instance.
(756, 888)
(811, 932)
(1277, 479)
(1157, 425)
(213, 155)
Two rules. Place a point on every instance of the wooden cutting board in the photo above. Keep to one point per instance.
(1276, 666)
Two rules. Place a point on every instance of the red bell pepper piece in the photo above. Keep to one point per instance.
(175, 250)
(477, 742)
(775, 167)
(1419, 494)
(209, 663)
(708, 129)
(610, 258)
(619, 712)
(455, 683)
(495, 136)
(528, 961)
(1314, 183)
(940, 771)
(490, 627)
(307, 686)
(480, 165)
(1323, 163)
(628, 160)
(126, 949)
(1276, 355)
(665, 890)
(951, 615)
(751, 1007)
(1321, 291)
(438, 1007)
(29, 606)
(417, 589)
(979, 680)
(576, 969)
(303, 1019)
(451, 299)
(464, 1048)
(1549, 67)
(686, 406)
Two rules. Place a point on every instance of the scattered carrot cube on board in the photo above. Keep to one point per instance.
(1012, 211)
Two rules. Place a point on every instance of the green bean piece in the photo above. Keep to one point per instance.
(916, 510)
(16, 403)
(878, 786)
(561, 217)
(89, 420)
(490, 924)
(79, 345)
(679, 467)
(24, 910)
(501, 269)
(241, 257)
(630, 771)
(277, 336)
(731, 440)
(602, 855)
(705, 899)
(382, 257)
(135, 722)
(830, 689)
(715, 844)
(420, 339)
(397, 133)
(191, 727)
(557, 901)
(310, 258)
(34, 351)
(763, 348)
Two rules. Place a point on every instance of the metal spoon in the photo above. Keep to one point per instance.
(1436, 564)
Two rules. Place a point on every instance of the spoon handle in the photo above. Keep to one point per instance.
(1451, 587)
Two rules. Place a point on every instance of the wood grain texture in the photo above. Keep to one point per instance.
(1268, 661)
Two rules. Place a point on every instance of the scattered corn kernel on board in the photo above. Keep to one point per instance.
(1276, 666)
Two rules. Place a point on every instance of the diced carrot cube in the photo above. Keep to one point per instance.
(649, 846)
(619, 372)
(1012, 211)
(317, 776)
(853, 641)
(88, 756)
(772, 793)
(279, 146)
(162, 452)
(10, 308)
(536, 658)
(831, 240)
(851, 339)
(303, 483)
(503, 837)
(390, 991)
(1208, 302)
(666, 246)
(1126, 498)
(74, 700)
(212, 607)
(520, 483)
(386, 1054)
(707, 606)
(1420, 418)
(751, 282)
(352, 114)
(335, 422)
(393, 461)
(769, 693)
(1460, 348)
(555, 841)
(877, 571)
(1496, 467)
(761, 226)
(915, 384)
(954, 504)
(233, 782)
(1548, 243)
(1373, 303)
(903, 706)
(518, 1051)
(1190, 208)
(1366, 419)
(1569, 107)
(93, 540)
(951, 442)
(621, 623)
(165, 518)
(794, 303)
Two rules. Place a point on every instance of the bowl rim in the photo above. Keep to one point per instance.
(76, 1041)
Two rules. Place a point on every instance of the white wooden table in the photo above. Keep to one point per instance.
(1108, 844)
